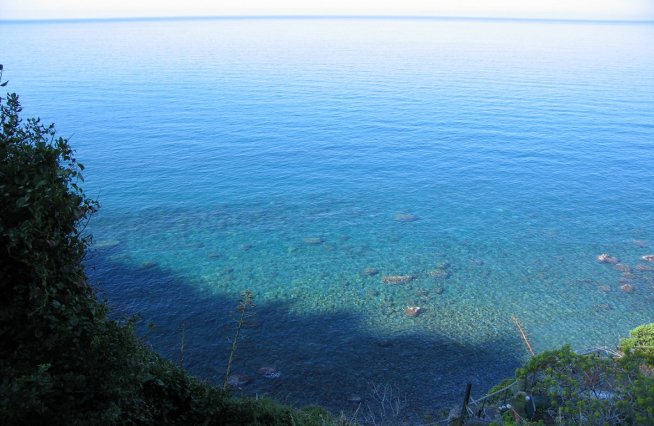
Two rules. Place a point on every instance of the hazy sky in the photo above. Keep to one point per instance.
(556, 9)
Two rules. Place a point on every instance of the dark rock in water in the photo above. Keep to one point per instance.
(422, 293)
(215, 255)
(384, 343)
(397, 279)
(405, 217)
(439, 290)
(313, 241)
(627, 288)
(147, 265)
(370, 271)
(238, 381)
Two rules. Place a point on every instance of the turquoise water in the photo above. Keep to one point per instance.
(278, 156)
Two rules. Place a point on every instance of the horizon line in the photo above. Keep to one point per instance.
(319, 17)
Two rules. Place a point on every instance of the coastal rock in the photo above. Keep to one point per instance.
(405, 217)
(238, 381)
(413, 311)
(627, 288)
(397, 279)
(648, 258)
(607, 258)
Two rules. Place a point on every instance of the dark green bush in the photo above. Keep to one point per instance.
(641, 344)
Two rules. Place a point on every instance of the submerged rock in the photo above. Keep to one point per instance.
(269, 372)
(354, 399)
(246, 247)
(215, 255)
(439, 273)
(397, 279)
(648, 258)
(147, 265)
(640, 243)
(603, 307)
(405, 217)
(313, 241)
(385, 343)
(622, 267)
(627, 288)
(413, 311)
(104, 244)
(370, 271)
(439, 290)
(607, 258)
(605, 289)
(627, 276)
(238, 381)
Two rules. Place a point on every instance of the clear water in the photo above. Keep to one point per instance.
(275, 155)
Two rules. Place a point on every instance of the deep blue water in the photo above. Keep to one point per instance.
(275, 155)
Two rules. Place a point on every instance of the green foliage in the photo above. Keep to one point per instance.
(640, 346)
(570, 389)
(62, 361)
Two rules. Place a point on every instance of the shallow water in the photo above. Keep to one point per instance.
(277, 156)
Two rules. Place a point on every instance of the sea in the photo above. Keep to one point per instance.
(347, 171)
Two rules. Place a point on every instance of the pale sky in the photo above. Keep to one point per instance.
(639, 10)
